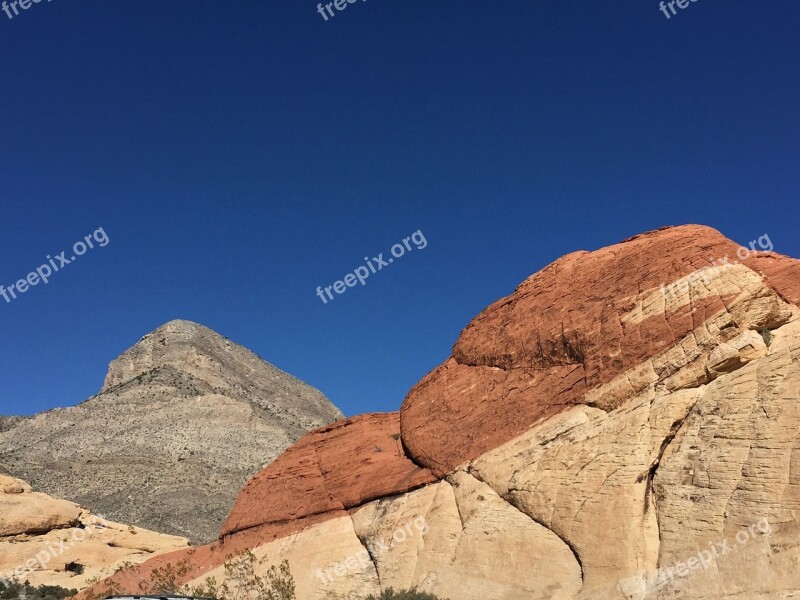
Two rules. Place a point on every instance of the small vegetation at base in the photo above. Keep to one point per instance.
(12, 591)
(166, 579)
(107, 588)
(242, 583)
(390, 594)
(767, 335)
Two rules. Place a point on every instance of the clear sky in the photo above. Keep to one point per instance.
(240, 154)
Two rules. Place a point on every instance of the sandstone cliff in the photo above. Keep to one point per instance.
(590, 438)
(184, 418)
(55, 542)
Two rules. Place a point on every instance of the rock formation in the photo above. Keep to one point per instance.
(55, 542)
(623, 426)
(184, 418)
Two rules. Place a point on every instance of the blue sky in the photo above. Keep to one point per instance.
(238, 155)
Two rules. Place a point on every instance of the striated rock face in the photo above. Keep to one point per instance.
(54, 542)
(184, 418)
(594, 436)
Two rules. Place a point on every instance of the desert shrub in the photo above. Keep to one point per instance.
(162, 580)
(10, 590)
(242, 583)
(390, 594)
(166, 579)
(106, 588)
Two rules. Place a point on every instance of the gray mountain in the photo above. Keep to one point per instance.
(184, 418)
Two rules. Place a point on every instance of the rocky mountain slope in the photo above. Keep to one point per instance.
(184, 418)
(54, 542)
(591, 437)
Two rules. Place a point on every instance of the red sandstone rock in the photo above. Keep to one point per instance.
(782, 274)
(340, 466)
(561, 334)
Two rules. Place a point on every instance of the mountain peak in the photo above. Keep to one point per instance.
(169, 343)
(191, 356)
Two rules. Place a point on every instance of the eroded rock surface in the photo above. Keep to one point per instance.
(55, 542)
(592, 328)
(592, 437)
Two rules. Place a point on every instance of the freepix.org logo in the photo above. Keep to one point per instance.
(640, 586)
(360, 561)
(44, 272)
(12, 8)
(668, 8)
(326, 10)
(360, 275)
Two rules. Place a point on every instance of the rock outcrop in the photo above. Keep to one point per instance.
(593, 329)
(184, 418)
(54, 542)
(336, 468)
(623, 426)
